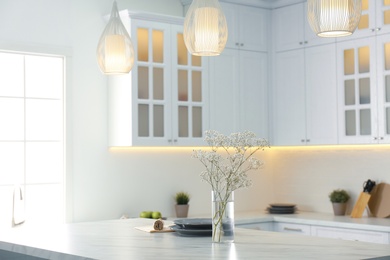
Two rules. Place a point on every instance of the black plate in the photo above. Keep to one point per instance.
(194, 223)
(281, 211)
(191, 232)
(282, 205)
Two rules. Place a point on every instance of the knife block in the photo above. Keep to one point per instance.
(360, 205)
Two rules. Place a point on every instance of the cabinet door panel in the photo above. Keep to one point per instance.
(383, 84)
(351, 234)
(151, 98)
(288, 24)
(321, 94)
(253, 92)
(254, 40)
(292, 228)
(358, 109)
(189, 101)
(224, 108)
(289, 99)
(232, 19)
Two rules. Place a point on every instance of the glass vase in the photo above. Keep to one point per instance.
(222, 216)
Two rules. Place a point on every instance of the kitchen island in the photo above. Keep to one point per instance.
(118, 239)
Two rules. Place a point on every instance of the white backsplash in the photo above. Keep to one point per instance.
(307, 175)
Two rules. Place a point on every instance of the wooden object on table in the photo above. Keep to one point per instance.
(360, 205)
(379, 203)
(158, 225)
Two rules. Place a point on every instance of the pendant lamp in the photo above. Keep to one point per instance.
(115, 51)
(205, 28)
(334, 18)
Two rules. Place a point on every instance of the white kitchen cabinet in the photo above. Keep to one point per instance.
(241, 22)
(264, 226)
(163, 101)
(292, 30)
(238, 92)
(305, 97)
(374, 20)
(292, 228)
(351, 234)
(364, 90)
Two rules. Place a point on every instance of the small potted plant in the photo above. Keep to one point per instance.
(181, 207)
(339, 199)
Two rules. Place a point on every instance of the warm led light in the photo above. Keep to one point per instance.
(334, 18)
(115, 52)
(205, 28)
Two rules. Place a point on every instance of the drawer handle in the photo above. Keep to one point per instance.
(293, 229)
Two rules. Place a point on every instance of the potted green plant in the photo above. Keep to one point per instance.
(182, 206)
(339, 199)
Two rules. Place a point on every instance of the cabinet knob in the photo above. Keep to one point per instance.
(300, 43)
(308, 140)
(375, 138)
(169, 140)
(237, 44)
(381, 138)
(306, 42)
(302, 140)
(378, 29)
(373, 30)
(241, 44)
(175, 140)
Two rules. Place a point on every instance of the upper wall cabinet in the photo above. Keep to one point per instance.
(239, 76)
(163, 100)
(238, 92)
(304, 97)
(248, 27)
(292, 30)
(375, 20)
(364, 90)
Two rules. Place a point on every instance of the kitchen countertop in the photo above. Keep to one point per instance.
(118, 239)
(318, 219)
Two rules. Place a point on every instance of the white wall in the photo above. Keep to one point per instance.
(307, 175)
(104, 184)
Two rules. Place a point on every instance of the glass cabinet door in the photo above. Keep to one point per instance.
(187, 99)
(358, 92)
(151, 87)
(383, 55)
(382, 16)
(374, 20)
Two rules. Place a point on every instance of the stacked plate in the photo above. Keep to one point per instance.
(281, 208)
(193, 226)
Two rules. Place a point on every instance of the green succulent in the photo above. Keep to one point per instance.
(182, 198)
(339, 196)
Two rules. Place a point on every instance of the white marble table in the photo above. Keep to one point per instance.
(118, 239)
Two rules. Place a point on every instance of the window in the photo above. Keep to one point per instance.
(32, 136)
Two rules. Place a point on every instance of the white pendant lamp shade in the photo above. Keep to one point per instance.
(334, 18)
(205, 28)
(115, 51)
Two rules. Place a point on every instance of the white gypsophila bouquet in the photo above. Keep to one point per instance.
(228, 172)
(227, 164)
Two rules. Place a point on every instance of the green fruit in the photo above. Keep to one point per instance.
(156, 214)
(146, 214)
